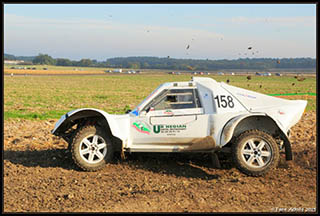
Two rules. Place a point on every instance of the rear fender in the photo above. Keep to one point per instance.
(258, 121)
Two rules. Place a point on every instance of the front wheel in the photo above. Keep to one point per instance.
(255, 153)
(91, 148)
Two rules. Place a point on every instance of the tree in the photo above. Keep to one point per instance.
(44, 59)
(63, 62)
(85, 63)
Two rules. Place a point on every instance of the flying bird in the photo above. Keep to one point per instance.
(249, 48)
(188, 46)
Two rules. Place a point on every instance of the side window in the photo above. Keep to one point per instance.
(177, 99)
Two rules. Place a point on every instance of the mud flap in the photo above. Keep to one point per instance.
(287, 147)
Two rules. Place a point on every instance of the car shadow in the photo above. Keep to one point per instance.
(189, 165)
(43, 158)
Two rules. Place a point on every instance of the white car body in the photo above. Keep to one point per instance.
(221, 112)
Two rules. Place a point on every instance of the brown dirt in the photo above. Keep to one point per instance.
(39, 176)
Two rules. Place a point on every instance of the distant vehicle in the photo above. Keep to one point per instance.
(220, 73)
(117, 70)
(194, 73)
(201, 115)
(178, 73)
(207, 73)
(201, 73)
(172, 72)
(12, 68)
(267, 74)
(232, 74)
(34, 68)
(278, 74)
(45, 68)
(258, 74)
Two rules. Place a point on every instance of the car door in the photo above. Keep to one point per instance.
(174, 117)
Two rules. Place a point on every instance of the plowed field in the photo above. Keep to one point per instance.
(40, 176)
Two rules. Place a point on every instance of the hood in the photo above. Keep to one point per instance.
(285, 112)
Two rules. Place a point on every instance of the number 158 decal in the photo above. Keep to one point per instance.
(224, 101)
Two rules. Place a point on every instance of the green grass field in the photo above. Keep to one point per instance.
(49, 97)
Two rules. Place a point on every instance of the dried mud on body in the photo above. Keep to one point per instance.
(39, 176)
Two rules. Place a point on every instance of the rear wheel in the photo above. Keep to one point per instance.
(91, 148)
(255, 153)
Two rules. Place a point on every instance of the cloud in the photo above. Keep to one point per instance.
(89, 36)
(101, 39)
(309, 21)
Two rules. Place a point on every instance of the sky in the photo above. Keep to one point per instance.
(188, 31)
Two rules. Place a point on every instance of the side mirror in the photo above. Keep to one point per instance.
(129, 110)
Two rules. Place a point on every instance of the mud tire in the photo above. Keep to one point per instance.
(85, 134)
(269, 155)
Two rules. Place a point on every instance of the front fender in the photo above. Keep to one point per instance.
(118, 124)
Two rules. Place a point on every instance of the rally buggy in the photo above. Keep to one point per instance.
(201, 115)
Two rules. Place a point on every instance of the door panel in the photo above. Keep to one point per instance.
(172, 119)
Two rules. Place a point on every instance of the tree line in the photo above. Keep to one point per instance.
(172, 63)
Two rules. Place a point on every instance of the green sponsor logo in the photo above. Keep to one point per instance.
(168, 128)
(142, 128)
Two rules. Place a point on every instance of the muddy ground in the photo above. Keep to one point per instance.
(39, 176)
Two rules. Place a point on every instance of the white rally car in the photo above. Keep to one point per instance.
(201, 115)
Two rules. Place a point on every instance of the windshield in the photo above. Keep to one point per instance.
(139, 107)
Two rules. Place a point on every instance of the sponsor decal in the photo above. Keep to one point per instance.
(281, 113)
(141, 127)
(135, 112)
(169, 129)
(168, 112)
(246, 95)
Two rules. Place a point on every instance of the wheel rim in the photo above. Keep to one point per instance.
(256, 153)
(93, 149)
